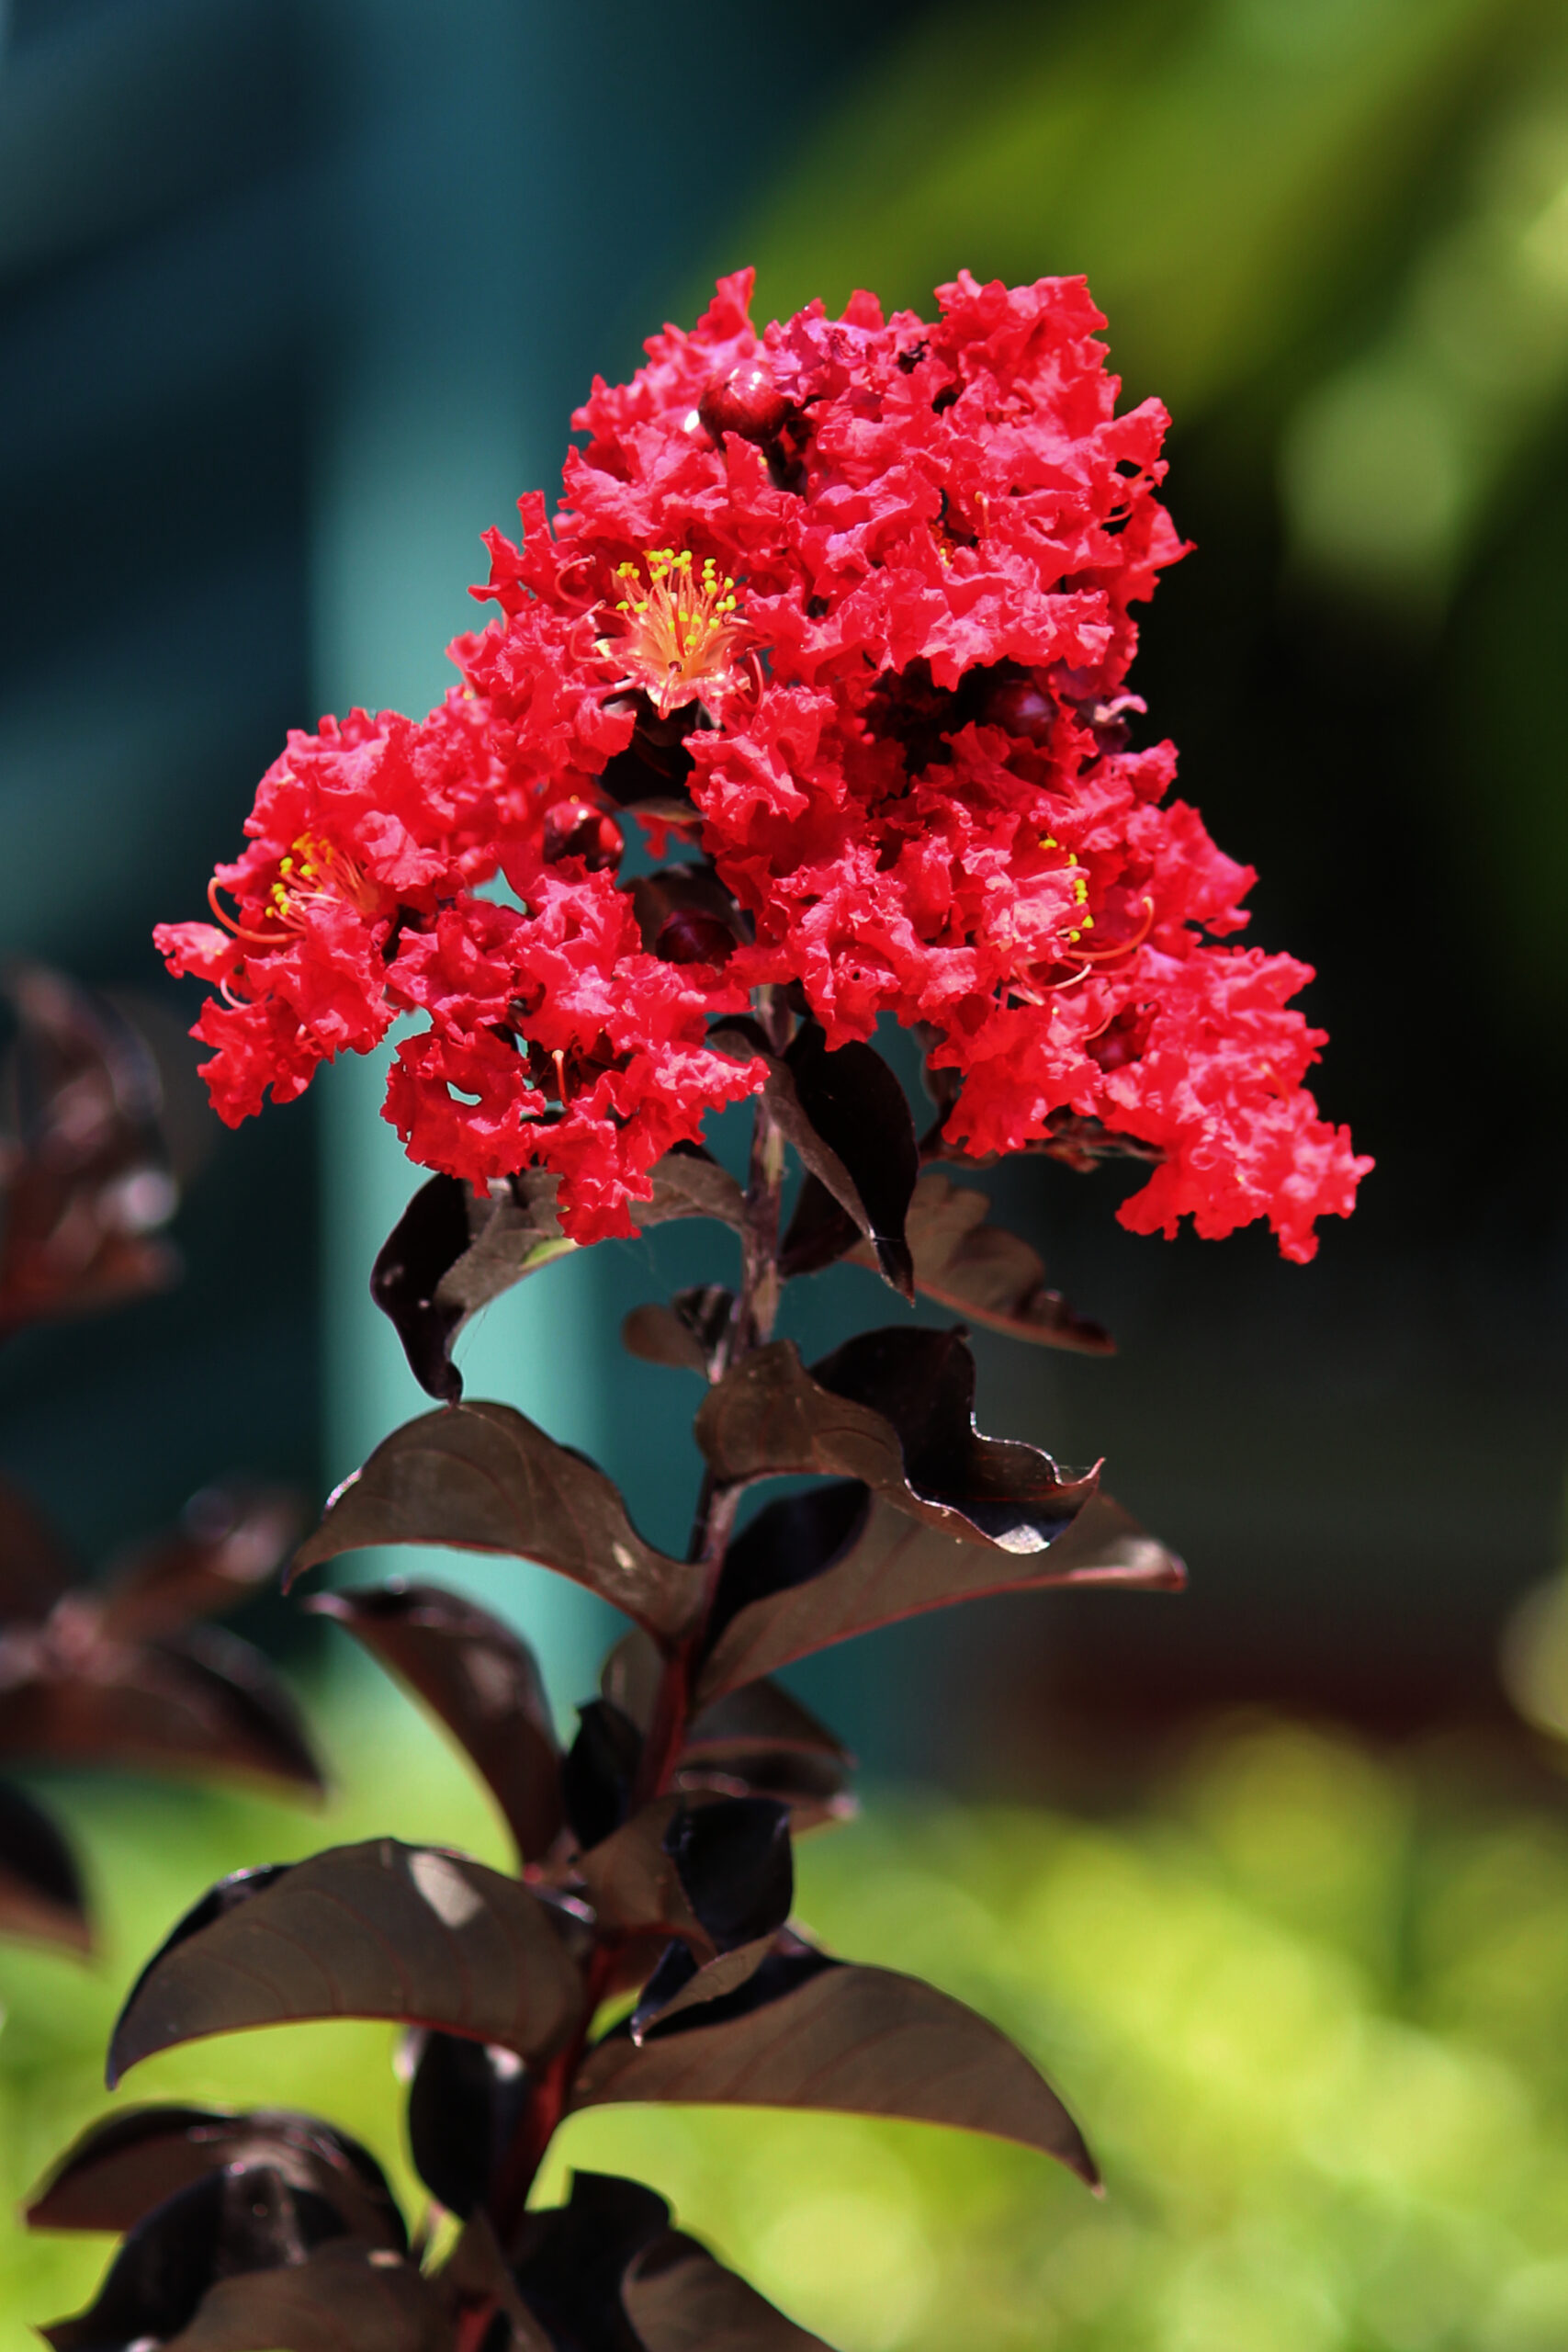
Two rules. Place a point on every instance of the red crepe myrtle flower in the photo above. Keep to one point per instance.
(845, 609)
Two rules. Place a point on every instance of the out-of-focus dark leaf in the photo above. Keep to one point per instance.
(376, 1930)
(856, 2041)
(598, 1771)
(986, 1272)
(121, 2167)
(223, 2227)
(483, 1479)
(775, 1604)
(680, 2299)
(474, 2275)
(569, 2260)
(480, 1679)
(464, 2102)
(340, 2298)
(204, 1698)
(41, 1893)
(229, 1542)
(687, 1334)
(85, 1175)
(847, 1116)
(894, 1410)
(35, 1568)
(629, 1677)
(760, 1741)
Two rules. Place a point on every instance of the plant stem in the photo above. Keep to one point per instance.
(751, 1325)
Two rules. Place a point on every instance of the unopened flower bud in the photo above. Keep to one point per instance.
(688, 936)
(746, 402)
(574, 830)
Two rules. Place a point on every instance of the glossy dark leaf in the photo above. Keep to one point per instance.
(878, 1566)
(856, 1106)
(41, 1893)
(846, 1115)
(87, 1181)
(735, 1867)
(480, 1679)
(451, 1252)
(465, 2099)
(570, 2259)
(376, 1930)
(598, 1771)
(855, 2040)
(895, 1410)
(984, 1272)
(687, 1334)
(688, 1181)
(35, 1568)
(679, 2299)
(121, 2167)
(229, 1542)
(204, 1698)
(340, 2298)
(221, 2227)
(483, 1479)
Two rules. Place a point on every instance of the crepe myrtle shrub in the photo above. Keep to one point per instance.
(831, 627)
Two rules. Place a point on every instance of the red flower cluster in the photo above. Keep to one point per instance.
(841, 611)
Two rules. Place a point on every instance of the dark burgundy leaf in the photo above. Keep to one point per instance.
(760, 1741)
(688, 1181)
(984, 1272)
(41, 1888)
(897, 1567)
(679, 1983)
(858, 1108)
(482, 1478)
(229, 1542)
(856, 2041)
(204, 1698)
(35, 1568)
(425, 1243)
(632, 1879)
(735, 1867)
(688, 1334)
(894, 1410)
(846, 1115)
(480, 1679)
(376, 1930)
(121, 2167)
(87, 1180)
(475, 2278)
(223, 2225)
(569, 2260)
(464, 2104)
(820, 1232)
(680, 2299)
(340, 2298)
(631, 1674)
(598, 1771)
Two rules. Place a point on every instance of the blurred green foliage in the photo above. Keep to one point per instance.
(1312, 2007)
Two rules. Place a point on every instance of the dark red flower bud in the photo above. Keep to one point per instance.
(1019, 705)
(690, 937)
(747, 401)
(574, 830)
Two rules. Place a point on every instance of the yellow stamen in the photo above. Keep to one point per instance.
(680, 628)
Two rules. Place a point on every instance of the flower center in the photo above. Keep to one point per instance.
(680, 628)
(310, 873)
